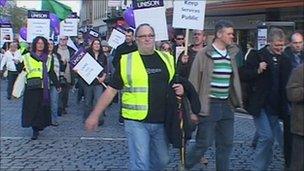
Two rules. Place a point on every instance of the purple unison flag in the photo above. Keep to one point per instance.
(2, 2)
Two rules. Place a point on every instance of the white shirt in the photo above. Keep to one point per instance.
(8, 60)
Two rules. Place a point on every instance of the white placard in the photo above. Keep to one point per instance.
(114, 3)
(178, 51)
(38, 24)
(262, 37)
(116, 38)
(189, 14)
(156, 17)
(6, 35)
(88, 68)
(69, 26)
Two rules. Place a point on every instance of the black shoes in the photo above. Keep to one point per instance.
(54, 124)
(35, 135)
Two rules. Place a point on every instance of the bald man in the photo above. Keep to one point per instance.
(295, 50)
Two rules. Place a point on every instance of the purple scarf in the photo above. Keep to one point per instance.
(46, 94)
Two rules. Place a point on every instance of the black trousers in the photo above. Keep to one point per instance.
(297, 162)
(11, 78)
(64, 97)
(287, 140)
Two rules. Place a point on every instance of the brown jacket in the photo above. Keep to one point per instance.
(201, 75)
(295, 93)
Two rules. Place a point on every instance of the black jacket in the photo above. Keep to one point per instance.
(172, 119)
(289, 54)
(124, 48)
(183, 69)
(260, 85)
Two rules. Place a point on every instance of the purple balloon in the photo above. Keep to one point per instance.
(23, 33)
(129, 17)
(55, 23)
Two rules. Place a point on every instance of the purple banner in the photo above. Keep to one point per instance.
(93, 34)
(5, 25)
(77, 57)
(140, 4)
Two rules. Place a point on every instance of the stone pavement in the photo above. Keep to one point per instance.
(69, 147)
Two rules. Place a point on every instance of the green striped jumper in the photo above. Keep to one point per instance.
(222, 71)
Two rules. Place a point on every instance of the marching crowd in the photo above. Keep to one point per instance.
(140, 75)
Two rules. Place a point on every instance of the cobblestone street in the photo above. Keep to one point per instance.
(69, 147)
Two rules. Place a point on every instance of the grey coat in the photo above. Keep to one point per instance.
(295, 93)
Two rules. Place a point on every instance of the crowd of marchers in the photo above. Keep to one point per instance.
(209, 80)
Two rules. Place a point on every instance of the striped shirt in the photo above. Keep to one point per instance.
(222, 71)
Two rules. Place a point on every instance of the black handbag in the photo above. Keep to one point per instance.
(34, 83)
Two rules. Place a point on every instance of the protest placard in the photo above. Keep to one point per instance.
(189, 14)
(117, 37)
(156, 17)
(6, 33)
(262, 37)
(38, 24)
(85, 65)
(69, 26)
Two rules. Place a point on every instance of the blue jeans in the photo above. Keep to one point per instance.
(268, 128)
(54, 103)
(91, 96)
(147, 144)
(217, 126)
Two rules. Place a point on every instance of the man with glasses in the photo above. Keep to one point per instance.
(66, 53)
(179, 41)
(144, 77)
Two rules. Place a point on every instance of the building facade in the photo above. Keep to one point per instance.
(247, 15)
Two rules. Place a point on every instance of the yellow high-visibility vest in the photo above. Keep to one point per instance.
(34, 68)
(135, 78)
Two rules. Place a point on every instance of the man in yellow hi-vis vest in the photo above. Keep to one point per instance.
(143, 76)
